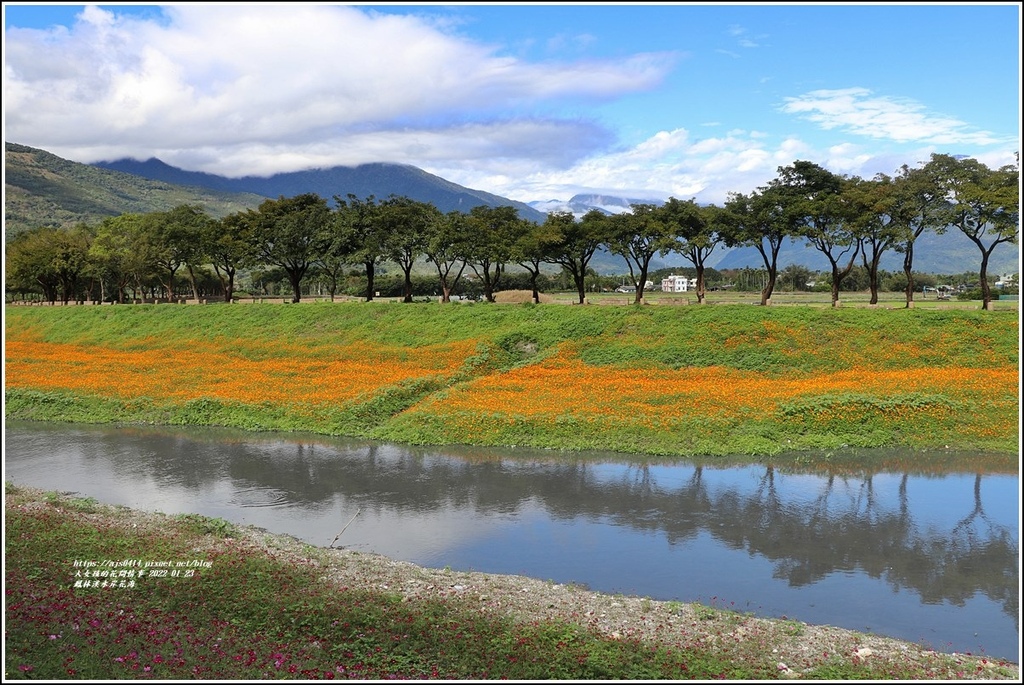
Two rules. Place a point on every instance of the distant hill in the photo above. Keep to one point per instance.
(379, 180)
(950, 253)
(42, 189)
(579, 205)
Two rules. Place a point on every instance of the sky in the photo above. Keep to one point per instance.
(529, 101)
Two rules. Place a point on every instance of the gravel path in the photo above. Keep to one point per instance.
(793, 646)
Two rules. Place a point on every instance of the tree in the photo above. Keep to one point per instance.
(697, 229)
(406, 225)
(797, 275)
(576, 242)
(531, 249)
(637, 236)
(229, 245)
(71, 259)
(916, 207)
(28, 262)
(872, 204)
(363, 235)
(492, 234)
(446, 250)
(291, 233)
(760, 221)
(818, 205)
(122, 251)
(178, 238)
(982, 203)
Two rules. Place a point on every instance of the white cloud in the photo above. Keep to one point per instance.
(280, 88)
(858, 111)
(306, 84)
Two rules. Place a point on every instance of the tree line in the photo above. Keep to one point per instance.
(845, 218)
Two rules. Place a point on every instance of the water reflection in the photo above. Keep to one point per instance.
(931, 558)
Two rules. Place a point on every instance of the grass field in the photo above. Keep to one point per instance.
(724, 379)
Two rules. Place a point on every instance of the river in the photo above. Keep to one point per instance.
(926, 558)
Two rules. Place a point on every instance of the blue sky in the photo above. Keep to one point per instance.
(528, 101)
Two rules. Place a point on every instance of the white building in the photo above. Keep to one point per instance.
(1006, 281)
(677, 284)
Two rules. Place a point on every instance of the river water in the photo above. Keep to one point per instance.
(931, 559)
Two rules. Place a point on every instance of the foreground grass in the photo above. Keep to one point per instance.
(244, 612)
(670, 381)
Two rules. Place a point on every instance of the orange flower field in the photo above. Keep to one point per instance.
(713, 386)
(659, 399)
(178, 375)
(564, 385)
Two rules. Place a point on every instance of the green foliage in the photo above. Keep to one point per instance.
(59, 193)
(205, 525)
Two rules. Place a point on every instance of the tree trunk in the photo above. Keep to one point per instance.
(908, 263)
(769, 288)
(581, 286)
(986, 291)
(872, 277)
(192, 280)
(641, 285)
(295, 278)
(229, 286)
(407, 288)
(370, 270)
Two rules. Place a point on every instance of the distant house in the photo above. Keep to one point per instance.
(1006, 281)
(677, 284)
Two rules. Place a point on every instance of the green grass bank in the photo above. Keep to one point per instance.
(940, 352)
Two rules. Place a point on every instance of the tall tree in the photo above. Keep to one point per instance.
(637, 236)
(875, 208)
(229, 245)
(291, 233)
(446, 250)
(406, 225)
(492, 234)
(917, 207)
(982, 203)
(178, 238)
(29, 262)
(576, 243)
(531, 250)
(364, 237)
(818, 207)
(759, 220)
(123, 251)
(697, 229)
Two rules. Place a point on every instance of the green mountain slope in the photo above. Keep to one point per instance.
(42, 189)
(379, 180)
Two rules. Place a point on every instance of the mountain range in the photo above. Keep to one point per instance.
(42, 189)
(379, 180)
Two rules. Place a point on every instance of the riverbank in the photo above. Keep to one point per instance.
(243, 603)
(715, 381)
